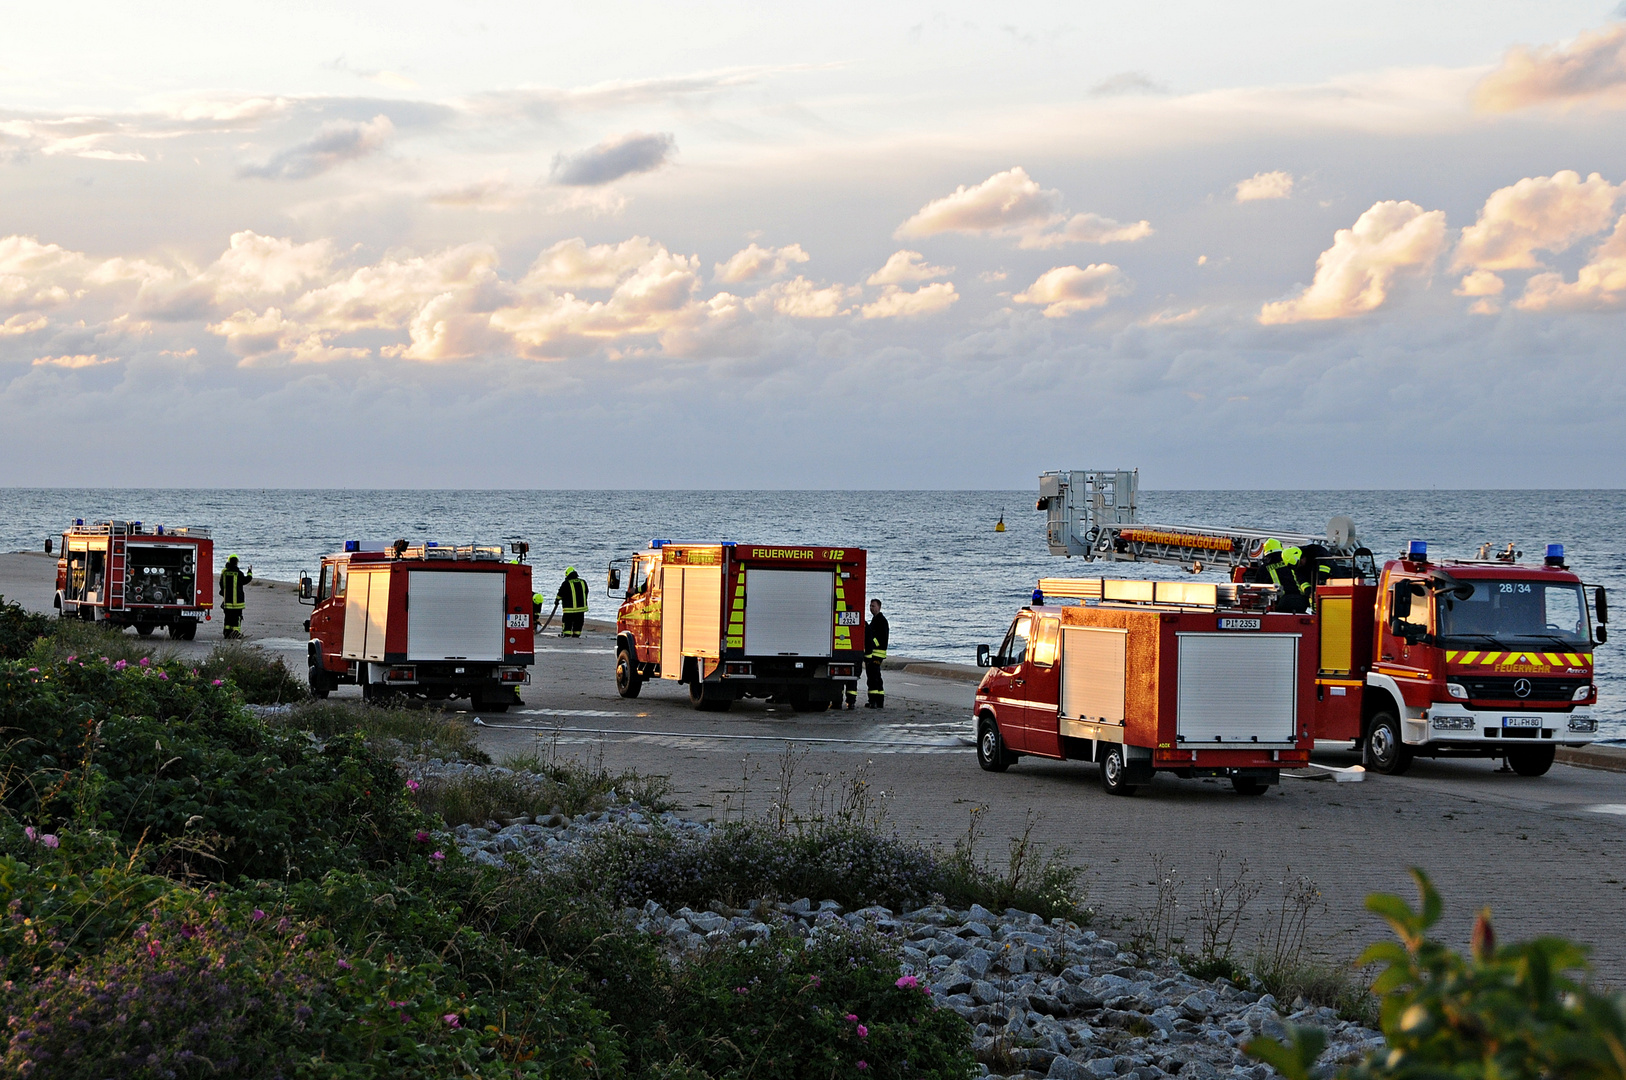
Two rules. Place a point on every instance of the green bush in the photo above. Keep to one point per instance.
(67, 638)
(534, 787)
(262, 678)
(19, 629)
(1500, 1013)
(416, 732)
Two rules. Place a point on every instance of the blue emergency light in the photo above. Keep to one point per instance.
(160, 530)
(352, 545)
(1417, 551)
(1038, 597)
(658, 543)
(1555, 555)
(78, 521)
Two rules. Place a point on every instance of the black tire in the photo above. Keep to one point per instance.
(1531, 760)
(802, 701)
(628, 680)
(1247, 785)
(379, 694)
(1385, 752)
(1115, 772)
(991, 753)
(708, 698)
(186, 629)
(144, 629)
(319, 681)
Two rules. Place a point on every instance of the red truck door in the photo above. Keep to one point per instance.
(1042, 678)
(1007, 684)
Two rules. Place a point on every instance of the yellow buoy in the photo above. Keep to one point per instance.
(1000, 527)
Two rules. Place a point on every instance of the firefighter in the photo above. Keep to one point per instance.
(232, 601)
(572, 595)
(875, 638)
(1294, 575)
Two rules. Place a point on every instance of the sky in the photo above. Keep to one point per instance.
(731, 245)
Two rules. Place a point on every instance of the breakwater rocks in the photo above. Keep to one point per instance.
(1044, 999)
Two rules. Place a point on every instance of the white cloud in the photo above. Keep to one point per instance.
(1599, 286)
(572, 264)
(906, 267)
(753, 262)
(1006, 202)
(1480, 283)
(23, 324)
(1590, 68)
(493, 194)
(1265, 185)
(614, 158)
(895, 303)
(1067, 290)
(1546, 213)
(1354, 276)
(333, 144)
(1089, 229)
(800, 298)
(78, 360)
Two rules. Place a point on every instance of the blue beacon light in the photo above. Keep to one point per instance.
(1417, 550)
(1038, 597)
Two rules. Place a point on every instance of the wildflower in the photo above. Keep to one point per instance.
(146, 661)
(30, 834)
(73, 657)
(451, 1019)
(439, 856)
(258, 915)
(33, 671)
(413, 785)
(908, 982)
(862, 1065)
(218, 682)
(344, 965)
(851, 1018)
(50, 841)
(422, 837)
(164, 676)
(120, 665)
(863, 1032)
(741, 990)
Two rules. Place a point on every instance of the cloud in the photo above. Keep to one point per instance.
(894, 303)
(1480, 283)
(801, 299)
(904, 267)
(1546, 213)
(613, 159)
(334, 143)
(1354, 276)
(755, 262)
(76, 361)
(1006, 202)
(1067, 290)
(493, 193)
(1599, 286)
(1012, 203)
(1590, 68)
(1265, 185)
(1127, 82)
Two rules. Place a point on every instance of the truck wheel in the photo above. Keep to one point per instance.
(1531, 760)
(1115, 773)
(480, 703)
(1384, 750)
(144, 629)
(628, 681)
(802, 701)
(184, 630)
(991, 753)
(708, 698)
(1247, 785)
(318, 679)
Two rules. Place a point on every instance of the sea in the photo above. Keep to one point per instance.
(948, 580)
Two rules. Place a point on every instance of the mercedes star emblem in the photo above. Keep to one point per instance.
(1521, 688)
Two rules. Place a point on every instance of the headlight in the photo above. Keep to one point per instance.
(1583, 723)
(1453, 723)
(1582, 692)
(1457, 690)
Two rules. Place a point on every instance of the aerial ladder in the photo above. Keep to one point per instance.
(1092, 513)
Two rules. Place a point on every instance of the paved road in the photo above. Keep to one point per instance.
(1547, 855)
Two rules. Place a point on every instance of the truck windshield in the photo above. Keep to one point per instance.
(1508, 611)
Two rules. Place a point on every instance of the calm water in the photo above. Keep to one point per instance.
(948, 581)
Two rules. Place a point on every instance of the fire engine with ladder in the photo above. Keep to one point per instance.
(123, 573)
(1480, 657)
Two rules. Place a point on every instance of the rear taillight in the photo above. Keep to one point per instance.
(513, 675)
(401, 674)
(841, 671)
(737, 669)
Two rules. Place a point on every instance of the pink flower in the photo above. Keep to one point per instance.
(218, 682)
(422, 837)
(50, 841)
(73, 657)
(344, 965)
(120, 665)
(908, 982)
(851, 1018)
(863, 1032)
(258, 915)
(451, 1018)
(816, 981)
(439, 856)
(862, 1065)
(164, 676)
(146, 662)
(30, 834)
(33, 671)
(413, 785)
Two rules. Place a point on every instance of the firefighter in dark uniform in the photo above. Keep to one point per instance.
(1291, 571)
(572, 596)
(233, 582)
(875, 638)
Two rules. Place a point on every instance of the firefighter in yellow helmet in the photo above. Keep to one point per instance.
(572, 596)
(233, 582)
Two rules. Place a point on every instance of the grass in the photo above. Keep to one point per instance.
(62, 638)
(536, 787)
(421, 733)
(261, 677)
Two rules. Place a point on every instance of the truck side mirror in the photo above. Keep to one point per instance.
(1600, 603)
(983, 657)
(615, 579)
(1402, 601)
(306, 591)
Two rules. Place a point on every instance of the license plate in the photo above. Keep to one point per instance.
(847, 618)
(1521, 721)
(191, 614)
(1239, 624)
(519, 622)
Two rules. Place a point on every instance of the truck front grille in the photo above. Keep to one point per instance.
(1501, 688)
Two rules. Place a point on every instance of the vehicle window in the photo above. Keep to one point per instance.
(640, 577)
(341, 576)
(325, 588)
(1045, 642)
(1015, 649)
(1507, 611)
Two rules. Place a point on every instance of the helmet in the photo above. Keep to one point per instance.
(1291, 555)
(570, 569)
(231, 558)
(1270, 545)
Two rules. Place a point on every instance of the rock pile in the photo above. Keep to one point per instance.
(1045, 999)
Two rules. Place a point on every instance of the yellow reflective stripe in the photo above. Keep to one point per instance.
(1468, 657)
(1451, 656)
(1490, 658)
(735, 638)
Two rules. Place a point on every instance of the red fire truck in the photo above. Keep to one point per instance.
(435, 621)
(1191, 678)
(1481, 657)
(125, 574)
(736, 620)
